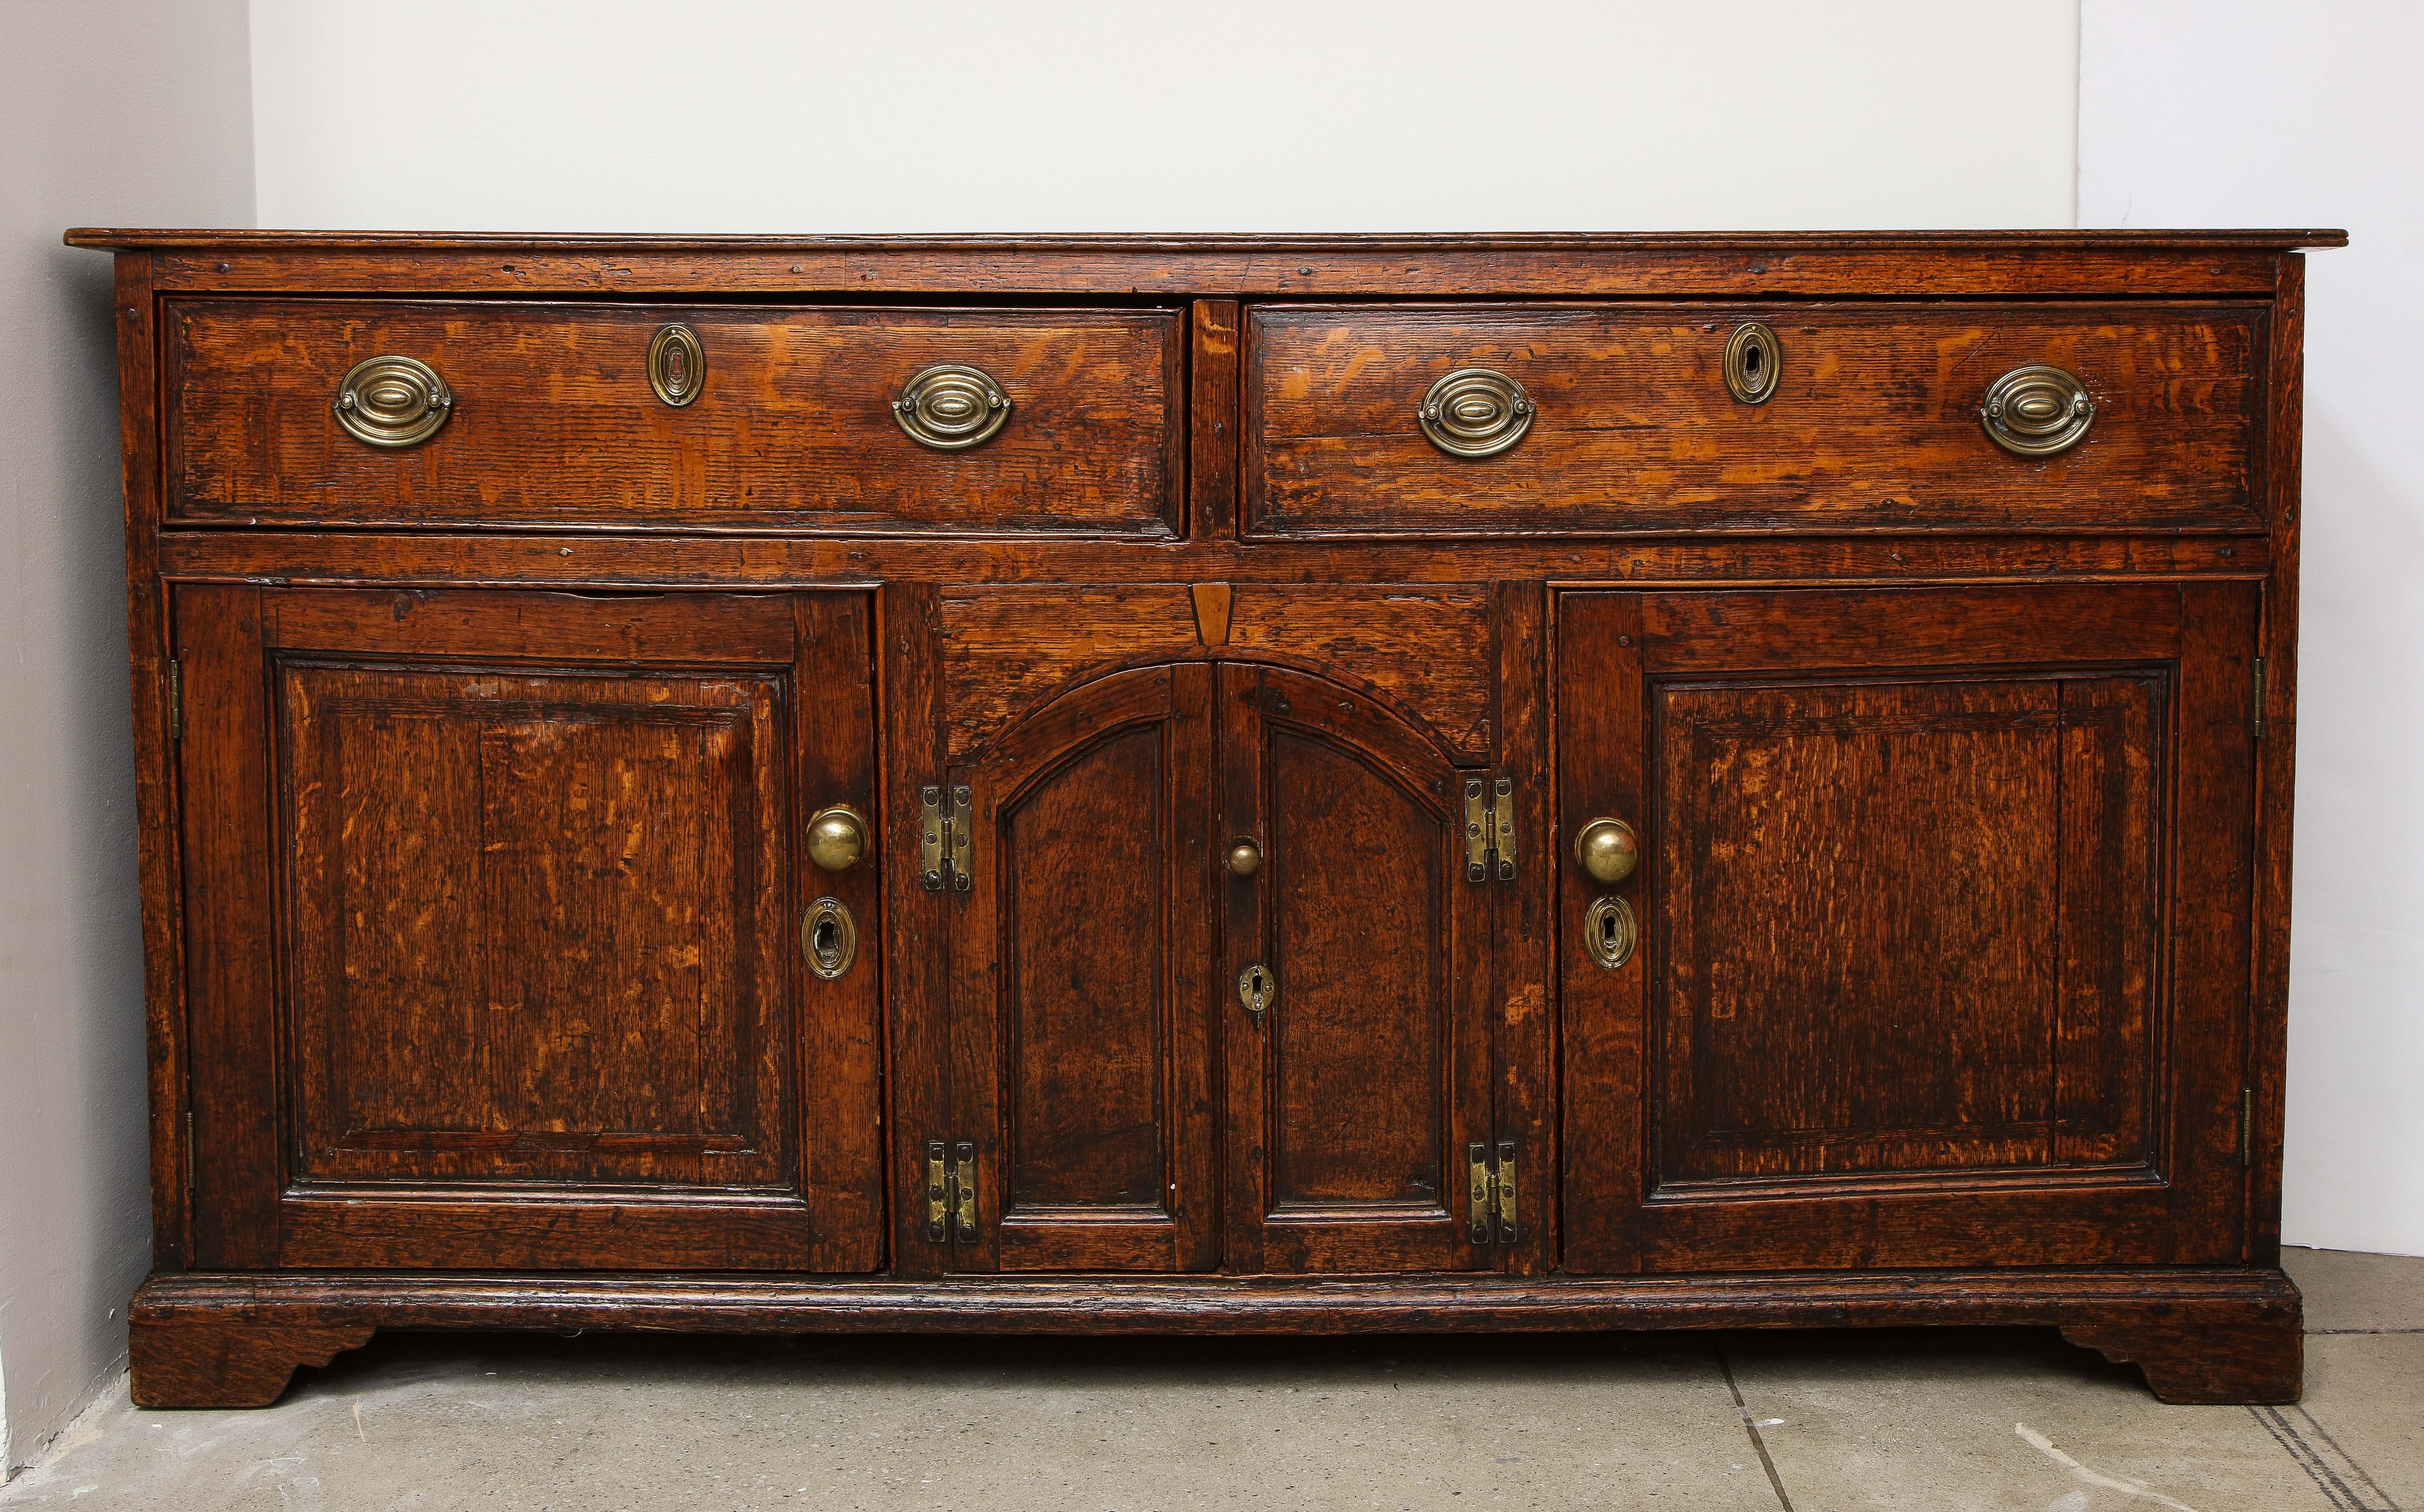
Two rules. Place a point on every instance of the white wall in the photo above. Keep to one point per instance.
(1254, 115)
(117, 112)
(2207, 112)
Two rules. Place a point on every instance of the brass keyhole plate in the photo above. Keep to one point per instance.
(676, 364)
(829, 939)
(1754, 362)
(1610, 932)
(1256, 987)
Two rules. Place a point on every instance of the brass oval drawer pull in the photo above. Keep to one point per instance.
(1754, 362)
(1475, 412)
(950, 407)
(393, 401)
(2036, 411)
(829, 938)
(676, 364)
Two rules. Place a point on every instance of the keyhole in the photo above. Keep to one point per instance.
(1750, 361)
(827, 943)
(1607, 930)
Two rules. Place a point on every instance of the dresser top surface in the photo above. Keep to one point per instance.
(161, 239)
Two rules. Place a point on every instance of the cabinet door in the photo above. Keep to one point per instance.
(1080, 1009)
(493, 906)
(1352, 1097)
(1944, 904)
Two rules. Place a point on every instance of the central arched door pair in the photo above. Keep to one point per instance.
(1220, 985)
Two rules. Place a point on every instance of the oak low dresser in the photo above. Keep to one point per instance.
(1213, 785)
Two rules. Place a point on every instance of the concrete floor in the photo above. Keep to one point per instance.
(1944, 1420)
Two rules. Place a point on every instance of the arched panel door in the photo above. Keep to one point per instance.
(1081, 1030)
(1355, 1096)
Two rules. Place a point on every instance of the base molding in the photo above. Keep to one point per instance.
(203, 1339)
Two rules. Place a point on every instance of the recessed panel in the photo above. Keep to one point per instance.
(1910, 925)
(1085, 957)
(1362, 1016)
(538, 921)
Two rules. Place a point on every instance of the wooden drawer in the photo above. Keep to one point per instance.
(553, 419)
(1873, 424)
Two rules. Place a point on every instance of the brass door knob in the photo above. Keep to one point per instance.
(1608, 849)
(1245, 858)
(836, 837)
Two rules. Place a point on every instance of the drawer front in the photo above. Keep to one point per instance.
(791, 421)
(1628, 423)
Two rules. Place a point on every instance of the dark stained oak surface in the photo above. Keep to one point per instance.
(1874, 425)
(474, 779)
(554, 422)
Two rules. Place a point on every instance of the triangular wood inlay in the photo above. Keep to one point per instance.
(1211, 612)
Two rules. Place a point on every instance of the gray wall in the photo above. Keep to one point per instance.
(124, 112)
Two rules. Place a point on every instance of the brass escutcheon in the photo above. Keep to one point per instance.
(2036, 411)
(393, 401)
(950, 407)
(829, 938)
(1754, 362)
(1256, 988)
(1609, 932)
(676, 364)
(1475, 412)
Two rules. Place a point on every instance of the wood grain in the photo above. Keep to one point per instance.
(554, 422)
(529, 916)
(1079, 983)
(1349, 1105)
(1874, 425)
(1943, 760)
(2198, 1332)
(1873, 858)
(1424, 650)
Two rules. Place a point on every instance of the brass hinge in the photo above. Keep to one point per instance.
(943, 843)
(2260, 698)
(176, 699)
(951, 1191)
(1492, 1198)
(2247, 1125)
(1488, 829)
(189, 1154)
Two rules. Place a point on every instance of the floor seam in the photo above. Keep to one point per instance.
(1775, 1481)
(2312, 1331)
(2344, 1485)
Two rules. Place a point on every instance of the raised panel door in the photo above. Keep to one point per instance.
(1943, 906)
(519, 880)
(1353, 1097)
(1080, 1005)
